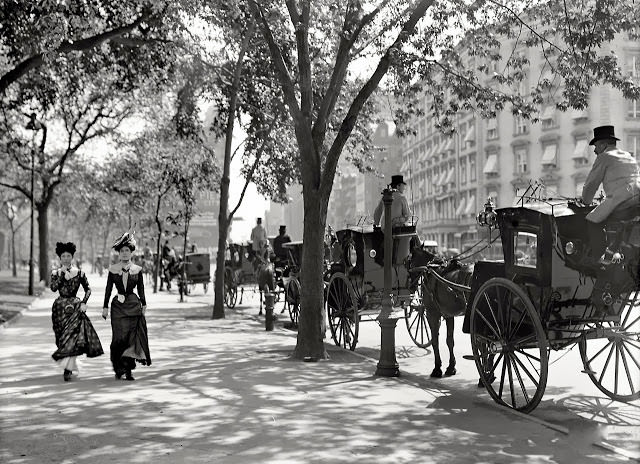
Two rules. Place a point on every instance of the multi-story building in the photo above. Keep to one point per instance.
(452, 177)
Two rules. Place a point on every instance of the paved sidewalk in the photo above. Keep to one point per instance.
(14, 298)
(226, 391)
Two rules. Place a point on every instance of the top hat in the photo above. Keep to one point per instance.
(283, 227)
(397, 180)
(603, 132)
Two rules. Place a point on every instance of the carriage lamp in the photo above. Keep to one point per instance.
(487, 217)
(352, 256)
(372, 254)
(569, 248)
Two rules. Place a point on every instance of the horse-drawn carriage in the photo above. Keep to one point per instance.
(544, 297)
(197, 271)
(355, 284)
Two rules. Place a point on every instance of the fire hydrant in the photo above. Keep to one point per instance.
(269, 300)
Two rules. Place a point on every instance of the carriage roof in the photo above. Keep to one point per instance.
(294, 244)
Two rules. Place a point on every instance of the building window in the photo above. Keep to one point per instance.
(580, 151)
(633, 110)
(549, 155)
(470, 136)
(548, 117)
(492, 129)
(472, 168)
(463, 170)
(491, 164)
(521, 125)
(522, 160)
(633, 66)
(579, 115)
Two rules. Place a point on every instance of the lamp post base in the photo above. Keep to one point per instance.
(387, 364)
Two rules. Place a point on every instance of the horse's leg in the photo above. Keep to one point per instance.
(433, 318)
(451, 370)
(241, 294)
(260, 313)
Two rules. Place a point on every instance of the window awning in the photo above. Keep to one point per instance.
(471, 205)
(439, 178)
(449, 145)
(492, 123)
(471, 134)
(579, 114)
(425, 154)
(461, 206)
(491, 165)
(580, 151)
(550, 154)
(450, 176)
(548, 113)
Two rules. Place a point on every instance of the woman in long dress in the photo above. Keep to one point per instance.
(129, 341)
(74, 332)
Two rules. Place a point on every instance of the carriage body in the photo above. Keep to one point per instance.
(289, 280)
(543, 297)
(355, 283)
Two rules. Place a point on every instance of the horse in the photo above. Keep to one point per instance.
(441, 301)
(264, 271)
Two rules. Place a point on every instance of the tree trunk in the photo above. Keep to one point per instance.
(158, 267)
(43, 242)
(310, 337)
(184, 260)
(223, 229)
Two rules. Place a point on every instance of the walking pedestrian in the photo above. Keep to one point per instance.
(129, 338)
(74, 332)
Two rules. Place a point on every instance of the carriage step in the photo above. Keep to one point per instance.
(588, 372)
(468, 357)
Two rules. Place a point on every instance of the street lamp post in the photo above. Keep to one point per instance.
(34, 126)
(387, 364)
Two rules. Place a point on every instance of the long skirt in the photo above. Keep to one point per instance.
(129, 340)
(74, 332)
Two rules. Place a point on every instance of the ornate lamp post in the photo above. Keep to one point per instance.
(33, 125)
(387, 364)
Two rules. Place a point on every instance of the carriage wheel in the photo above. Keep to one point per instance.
(230, 289)
(342, 312)
(415, 317)
(509, 345)
(613, 363)
(292, 300)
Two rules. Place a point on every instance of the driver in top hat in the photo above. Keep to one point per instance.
(399, 207)
(619, 174)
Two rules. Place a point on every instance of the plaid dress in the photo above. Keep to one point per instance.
(74, 332)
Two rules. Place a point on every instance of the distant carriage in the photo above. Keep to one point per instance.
(197, 271)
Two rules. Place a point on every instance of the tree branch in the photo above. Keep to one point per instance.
(19, 188)
(87, 43)
(365, 92)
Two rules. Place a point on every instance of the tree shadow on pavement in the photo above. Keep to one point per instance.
(226, 391)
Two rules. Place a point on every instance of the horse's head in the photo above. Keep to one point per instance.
(421, 257)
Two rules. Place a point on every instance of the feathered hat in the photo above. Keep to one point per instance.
(69, 247)
(125, 240)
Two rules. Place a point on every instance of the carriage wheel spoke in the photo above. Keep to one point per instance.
(492, 315)
(632, 343)
(626, 366)
(518, 324)
(617, 364)
(513, 393)
(495, 364)
(598, 353)
(488, 324)
(604, 369)
(633, 358)
(624, 324)
(522, 387)
(523, 340)
(524, 368)
(504, 368)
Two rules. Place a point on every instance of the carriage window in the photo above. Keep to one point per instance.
(525, 249)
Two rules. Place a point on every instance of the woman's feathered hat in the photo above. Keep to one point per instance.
(125, 240)
(69, 247)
